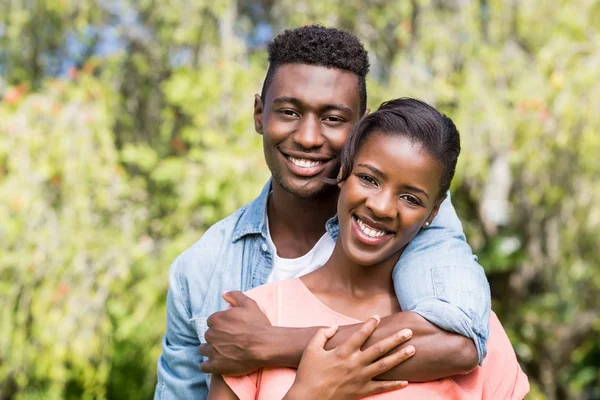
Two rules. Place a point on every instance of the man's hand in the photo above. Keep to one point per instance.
(231, 345)
(347, 372)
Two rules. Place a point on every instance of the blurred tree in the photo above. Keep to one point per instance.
(126, 130)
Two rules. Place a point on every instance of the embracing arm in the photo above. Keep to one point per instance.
(438, 354)
(240, 340)
(438, 277)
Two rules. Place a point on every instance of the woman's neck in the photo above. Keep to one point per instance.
(343, 276)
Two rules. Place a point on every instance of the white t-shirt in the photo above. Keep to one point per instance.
(288, 268)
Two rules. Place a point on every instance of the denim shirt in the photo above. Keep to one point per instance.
(437, 277)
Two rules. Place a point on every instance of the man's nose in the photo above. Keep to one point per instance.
(309, 135)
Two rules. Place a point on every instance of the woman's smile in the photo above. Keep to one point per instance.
(368, 234)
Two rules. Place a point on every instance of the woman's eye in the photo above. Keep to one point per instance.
(411, 200)
(367, 179)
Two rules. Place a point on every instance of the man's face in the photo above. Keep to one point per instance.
(305, 119)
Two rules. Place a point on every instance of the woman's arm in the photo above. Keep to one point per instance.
(219, 390)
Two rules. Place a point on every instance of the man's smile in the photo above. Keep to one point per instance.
(305, 165)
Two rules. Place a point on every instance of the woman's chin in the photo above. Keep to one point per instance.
(365, 259)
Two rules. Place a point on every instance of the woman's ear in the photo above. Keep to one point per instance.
(433, 213)
(258, 111)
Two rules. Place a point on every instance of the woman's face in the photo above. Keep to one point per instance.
(390, 194)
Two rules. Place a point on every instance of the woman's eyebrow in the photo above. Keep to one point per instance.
(372, 169)
(381, 174)
(416, 189)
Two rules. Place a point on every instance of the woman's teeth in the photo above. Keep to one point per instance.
(301, 162)
(367, 230)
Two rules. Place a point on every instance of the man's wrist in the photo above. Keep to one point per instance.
(261, 347)
(281, 347)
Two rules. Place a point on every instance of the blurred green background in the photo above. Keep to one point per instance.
(126, 130)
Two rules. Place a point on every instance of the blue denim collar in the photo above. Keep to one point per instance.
(252, 221)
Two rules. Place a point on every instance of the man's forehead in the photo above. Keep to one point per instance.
(315, 85)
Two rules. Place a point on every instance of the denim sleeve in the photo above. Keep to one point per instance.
(438, 277)
(179, 374)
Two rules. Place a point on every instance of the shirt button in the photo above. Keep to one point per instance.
(264, 247)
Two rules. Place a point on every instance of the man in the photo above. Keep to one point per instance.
(314, 92)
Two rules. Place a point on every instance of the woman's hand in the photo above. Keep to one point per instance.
(347, 372)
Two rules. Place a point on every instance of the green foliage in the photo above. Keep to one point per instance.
(110, 172)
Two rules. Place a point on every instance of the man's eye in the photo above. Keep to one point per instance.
(289, 113)
(334, 119)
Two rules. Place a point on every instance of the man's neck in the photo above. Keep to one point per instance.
(296, 224)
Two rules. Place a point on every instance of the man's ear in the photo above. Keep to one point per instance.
(258, 112)
(367, 112)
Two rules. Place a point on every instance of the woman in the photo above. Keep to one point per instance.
(396, 169)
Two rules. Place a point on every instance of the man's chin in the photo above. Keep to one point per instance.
(308, 190)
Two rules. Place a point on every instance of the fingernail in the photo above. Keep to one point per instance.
(404, 383)
(406, 333)
(377, 318)
(410, 350)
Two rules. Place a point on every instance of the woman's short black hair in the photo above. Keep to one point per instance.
(319, 46)
(418, 122)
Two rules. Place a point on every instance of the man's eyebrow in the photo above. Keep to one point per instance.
(338, 107)
(381, 174)
(298, 103)
(287, 99)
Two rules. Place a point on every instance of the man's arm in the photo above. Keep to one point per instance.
(178, 372)
(438, 353)
(438, 277)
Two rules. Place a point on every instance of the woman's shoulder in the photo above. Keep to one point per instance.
(269, 290)
(273, 297)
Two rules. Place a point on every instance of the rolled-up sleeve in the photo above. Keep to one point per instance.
(179, 374)
(438, 277)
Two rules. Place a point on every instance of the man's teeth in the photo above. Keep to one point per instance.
(367, 230)
(301, 162)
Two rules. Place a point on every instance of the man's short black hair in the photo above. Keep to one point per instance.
(319, 46)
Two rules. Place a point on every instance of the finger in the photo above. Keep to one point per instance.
(359, 337)
(321, 337)
(385, 364)
(377, 387)
(235, 298)
(206, 350)
(207, 367)
(384, 346)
